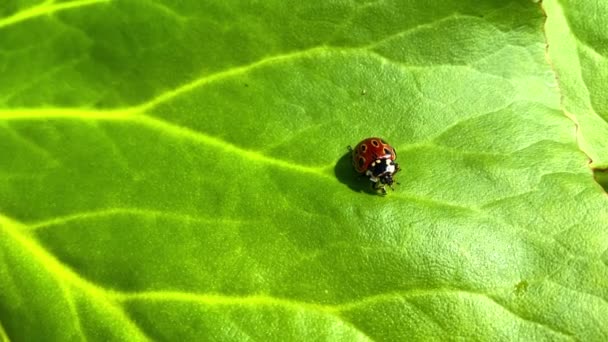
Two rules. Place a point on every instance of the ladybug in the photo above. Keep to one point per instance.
(375, 158)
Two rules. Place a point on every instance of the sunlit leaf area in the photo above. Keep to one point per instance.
(179, 171)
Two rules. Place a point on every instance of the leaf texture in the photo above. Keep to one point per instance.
(178, 171)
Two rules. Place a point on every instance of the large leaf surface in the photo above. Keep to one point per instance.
(578, 47)
(179, 172)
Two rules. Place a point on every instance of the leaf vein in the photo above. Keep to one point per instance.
(63, 273)
(109, 212)
(45, 8)
(555, 330)
(3, 335)
(223, 300)
(206, 79)
(188, 133)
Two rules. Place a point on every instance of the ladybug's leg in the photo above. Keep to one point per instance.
(383, 188)
(397, 168)
(375, 186)
(379, 186)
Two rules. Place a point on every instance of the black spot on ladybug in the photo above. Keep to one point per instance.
(361, 162)
(387, 151)
(375, 143)
(363, 148)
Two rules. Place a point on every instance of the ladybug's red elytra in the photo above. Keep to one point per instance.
(375, 158)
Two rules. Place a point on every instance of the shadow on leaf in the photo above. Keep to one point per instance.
(346, 174)
(601, 176)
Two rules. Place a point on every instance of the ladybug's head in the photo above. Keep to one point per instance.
(387, 178)
(382, 171)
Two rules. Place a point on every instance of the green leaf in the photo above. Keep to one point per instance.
(578, 48)
(178, 171)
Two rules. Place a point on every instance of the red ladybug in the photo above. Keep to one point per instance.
(375, 158)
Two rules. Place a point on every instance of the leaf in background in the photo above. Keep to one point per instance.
(177, 171)
(578, 48)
